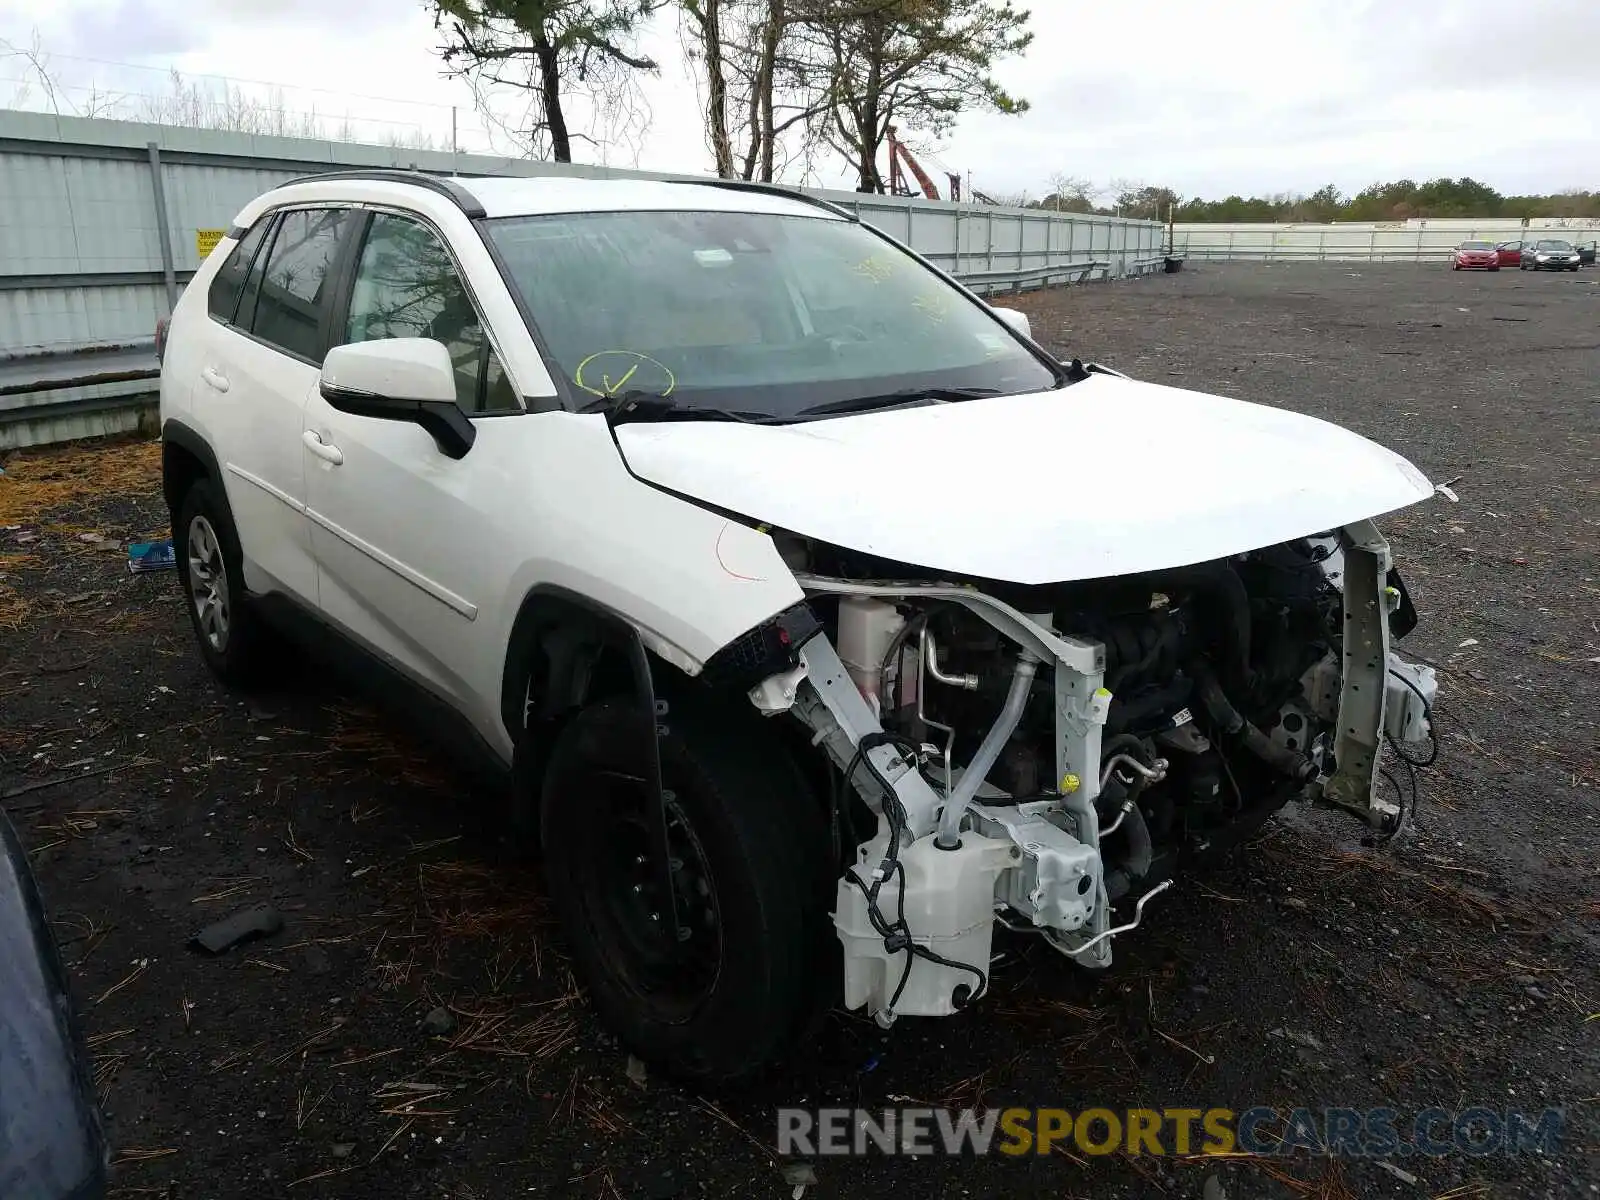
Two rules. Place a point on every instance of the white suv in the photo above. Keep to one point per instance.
(798, 596)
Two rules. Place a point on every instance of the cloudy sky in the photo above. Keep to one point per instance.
(1205, 96)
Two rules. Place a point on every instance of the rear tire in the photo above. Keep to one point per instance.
(233, 640)
(727, 994)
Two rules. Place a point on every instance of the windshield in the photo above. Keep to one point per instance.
(759, 313)
(1477, 246)
(1555, 245)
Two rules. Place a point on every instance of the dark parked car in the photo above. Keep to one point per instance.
(52, 1144)
(1549, 254)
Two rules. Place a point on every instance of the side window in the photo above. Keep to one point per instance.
(406, 286)
(295, 285)
(228, 283)
(252, 285)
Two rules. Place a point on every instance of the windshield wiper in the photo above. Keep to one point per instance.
(942, 395)
(636, 405)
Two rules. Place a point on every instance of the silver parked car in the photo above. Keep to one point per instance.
(1550, 254)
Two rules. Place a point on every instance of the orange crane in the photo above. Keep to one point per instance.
(898, 154)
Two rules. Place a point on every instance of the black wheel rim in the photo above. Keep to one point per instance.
(671, 968)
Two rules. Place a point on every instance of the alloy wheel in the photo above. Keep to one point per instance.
(208, 583)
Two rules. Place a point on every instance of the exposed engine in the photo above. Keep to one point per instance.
(1203, 666)
(1209, 727)
(1040, 753)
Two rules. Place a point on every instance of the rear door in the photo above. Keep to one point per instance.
(404, 539)
(263, 353)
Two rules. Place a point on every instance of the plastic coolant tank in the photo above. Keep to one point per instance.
(949, 908)
(866, 629)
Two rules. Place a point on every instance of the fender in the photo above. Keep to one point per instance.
(174, 433)
(575, 633)
(55, 1147)
(582, 642)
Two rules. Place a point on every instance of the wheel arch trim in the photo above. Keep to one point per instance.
(176, 433)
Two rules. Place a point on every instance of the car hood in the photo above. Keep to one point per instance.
(1109, 476)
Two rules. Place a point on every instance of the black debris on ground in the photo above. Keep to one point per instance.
(414, 1030)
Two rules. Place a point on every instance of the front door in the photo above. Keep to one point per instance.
(405, 536)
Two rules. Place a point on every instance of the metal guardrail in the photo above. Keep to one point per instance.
(1317, 254)
(78, 366)
(1429, 242)
(1151, 263)
(987, 283)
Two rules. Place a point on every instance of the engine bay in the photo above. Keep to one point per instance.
(1038, 755)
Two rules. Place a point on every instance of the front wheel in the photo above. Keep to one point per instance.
(723, 991)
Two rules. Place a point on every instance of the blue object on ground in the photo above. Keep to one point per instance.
(152, 556)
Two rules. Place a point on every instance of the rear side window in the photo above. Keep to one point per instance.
(296, 283)
(228, 283)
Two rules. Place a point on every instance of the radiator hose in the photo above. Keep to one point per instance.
(1280, 758)
(1136, 864)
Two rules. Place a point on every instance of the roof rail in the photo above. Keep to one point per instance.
(773, 189)
(463, 199)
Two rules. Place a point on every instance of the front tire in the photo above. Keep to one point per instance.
(727, 993)
(233, 641)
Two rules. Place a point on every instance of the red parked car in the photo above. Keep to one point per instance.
(1508, 254)
(1475, 256)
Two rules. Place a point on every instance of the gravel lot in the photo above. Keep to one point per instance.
(1459, 968)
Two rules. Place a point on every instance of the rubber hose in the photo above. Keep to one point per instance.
(1280, 758)
(1222, 594)
(1136, 865)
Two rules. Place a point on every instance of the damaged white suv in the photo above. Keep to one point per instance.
(803, 601)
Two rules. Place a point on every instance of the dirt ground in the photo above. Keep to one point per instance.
(1460, 967)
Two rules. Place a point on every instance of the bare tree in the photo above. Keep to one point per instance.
(758, 83)
(35, 65)
(914, 63)
(705, 20)
(545, 49)
(1070, 193)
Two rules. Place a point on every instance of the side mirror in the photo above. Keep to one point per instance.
(400, 379)
(1017, 320)
(53, 1147)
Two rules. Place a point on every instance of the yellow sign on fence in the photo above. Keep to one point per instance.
(205, 241)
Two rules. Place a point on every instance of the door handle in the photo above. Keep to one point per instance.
(327, 453)
(215, 378)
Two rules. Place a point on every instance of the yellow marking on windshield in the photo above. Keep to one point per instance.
(611, 387)
(633, 358)
(875, 268)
